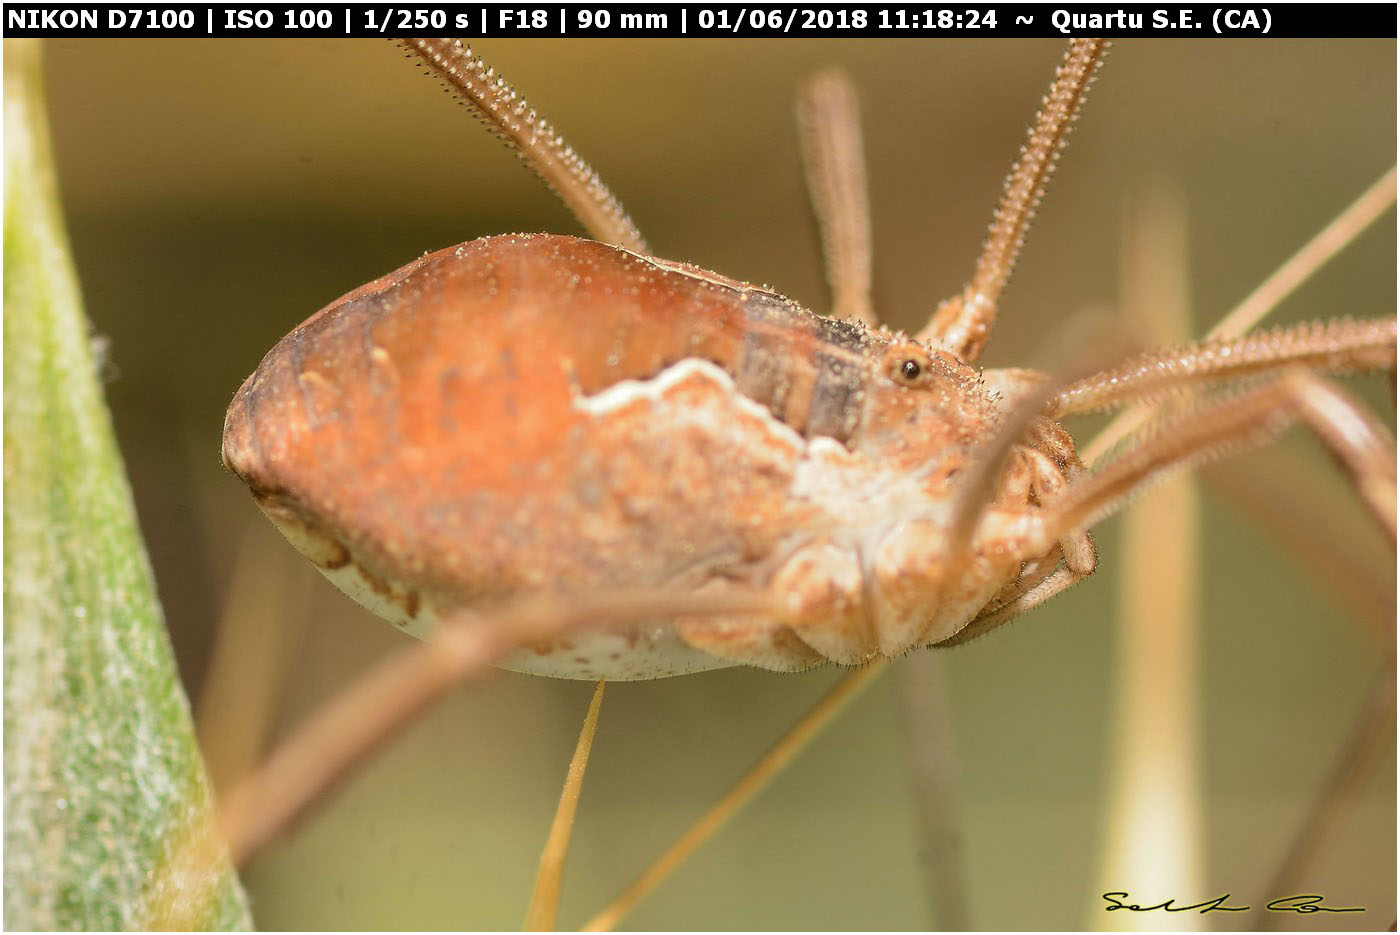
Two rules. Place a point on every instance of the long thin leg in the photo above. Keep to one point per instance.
(927, 716)
(1350, 432)
(1062, 580)
(1339, 346)
(350, 727)
(962, 324)
(1075, 548)
(828, 115)
(1323, 542)
(1254, 418)
(1371, 733)
(532, 138)
(401, 687)
(1343, 229)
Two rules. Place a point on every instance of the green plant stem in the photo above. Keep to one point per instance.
(102, 774)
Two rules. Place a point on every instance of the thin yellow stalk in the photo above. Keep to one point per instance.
(265, 605)
(739, 795)
(1152, 842)
(1296, 270)
(543, 911)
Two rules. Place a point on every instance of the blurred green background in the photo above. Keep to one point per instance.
(219, 192)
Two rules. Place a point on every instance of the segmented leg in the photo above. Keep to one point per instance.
(1343, 229)
(1339, 346)
(1358, 441)
(1360, 444)
(405, 685)
(1075, 549)
(1062, 580)
(962, 324)
(532, 138)
(828, 115)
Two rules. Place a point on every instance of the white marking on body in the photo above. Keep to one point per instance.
(627, 392)
(849, 485)
(827, 448)
(870, 500)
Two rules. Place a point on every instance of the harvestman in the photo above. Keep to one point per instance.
(981, 503)
(535, 412)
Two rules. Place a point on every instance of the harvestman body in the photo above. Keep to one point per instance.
(538, 413)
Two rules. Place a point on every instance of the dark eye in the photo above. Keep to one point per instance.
(907, 363)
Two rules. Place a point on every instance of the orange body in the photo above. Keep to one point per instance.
(543, 413)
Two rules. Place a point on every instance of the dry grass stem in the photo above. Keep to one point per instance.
(1343, 229)
(543, 912)
(1153, 816)
(266, 604)
(739, 795)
